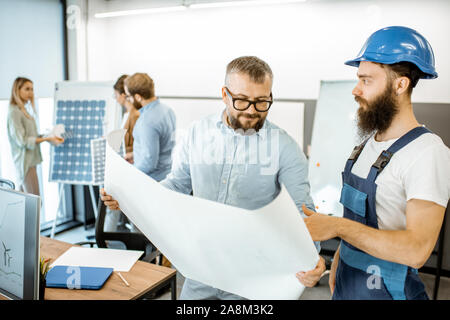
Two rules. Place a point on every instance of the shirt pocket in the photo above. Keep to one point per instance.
(253, 185)
(354, 200)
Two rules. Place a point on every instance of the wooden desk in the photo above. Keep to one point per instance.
(143, 278)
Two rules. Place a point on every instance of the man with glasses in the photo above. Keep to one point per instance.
(240, 159)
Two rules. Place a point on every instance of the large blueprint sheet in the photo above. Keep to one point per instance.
(254, 254)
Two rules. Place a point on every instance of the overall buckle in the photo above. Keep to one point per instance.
(356, 152)
(383, 160)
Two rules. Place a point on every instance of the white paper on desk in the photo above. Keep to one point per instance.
(251, 253)
(119, 260)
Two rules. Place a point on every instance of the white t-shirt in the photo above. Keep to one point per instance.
(420, 170)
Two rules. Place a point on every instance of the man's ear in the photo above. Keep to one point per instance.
(401, 85)
(224, 95)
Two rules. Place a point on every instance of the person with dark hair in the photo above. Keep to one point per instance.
(239, 158)
(23, 135)
(130, 117)
(396, 184)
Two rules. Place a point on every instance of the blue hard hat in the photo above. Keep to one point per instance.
(398, 44)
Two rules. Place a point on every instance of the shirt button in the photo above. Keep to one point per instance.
(224, 181)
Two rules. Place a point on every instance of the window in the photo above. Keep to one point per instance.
(49, 190)
(34, 31)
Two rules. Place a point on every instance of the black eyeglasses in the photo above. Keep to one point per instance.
(243, 104)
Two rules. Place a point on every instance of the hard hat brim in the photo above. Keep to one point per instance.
(387, 59)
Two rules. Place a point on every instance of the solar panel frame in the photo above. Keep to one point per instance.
(88, 111)
(98, 155)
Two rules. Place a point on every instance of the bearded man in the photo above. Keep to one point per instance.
(239, 158)
(396, 184)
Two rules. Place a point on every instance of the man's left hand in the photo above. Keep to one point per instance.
(129, 157)
(310, 278)
(321, 227)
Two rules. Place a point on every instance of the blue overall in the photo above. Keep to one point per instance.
(360, 276)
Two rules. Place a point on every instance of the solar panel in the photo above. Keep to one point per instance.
(98, 155)
(83, 121)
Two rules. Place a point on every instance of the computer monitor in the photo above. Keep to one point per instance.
(19, 245)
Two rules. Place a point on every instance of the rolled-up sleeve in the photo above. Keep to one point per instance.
(294, 175)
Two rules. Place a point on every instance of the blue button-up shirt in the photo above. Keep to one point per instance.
(154, 139)
(218, 163)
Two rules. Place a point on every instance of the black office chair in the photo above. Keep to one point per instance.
(131, 240)
(7, 184)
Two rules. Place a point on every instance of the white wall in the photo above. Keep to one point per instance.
(31, 44)
(186, 52)
(188, 111)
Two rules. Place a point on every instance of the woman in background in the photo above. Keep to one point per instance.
(115, 219)
(131, 112)
(23, 136)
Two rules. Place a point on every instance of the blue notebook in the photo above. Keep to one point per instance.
(77, 277)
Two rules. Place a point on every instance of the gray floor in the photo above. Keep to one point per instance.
(319, 292)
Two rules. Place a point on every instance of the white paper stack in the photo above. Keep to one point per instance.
(119, 260)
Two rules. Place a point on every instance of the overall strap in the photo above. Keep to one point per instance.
(354, 156)
(386, 155)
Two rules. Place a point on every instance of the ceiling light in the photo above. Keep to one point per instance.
(240, 3)
(138, 11)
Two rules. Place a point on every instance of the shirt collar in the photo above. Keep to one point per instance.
(148, 106)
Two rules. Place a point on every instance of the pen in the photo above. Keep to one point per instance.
(123, 279)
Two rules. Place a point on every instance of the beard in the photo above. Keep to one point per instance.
(378, 114)
(236, 123)
(136, 105)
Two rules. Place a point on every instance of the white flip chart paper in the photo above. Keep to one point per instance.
(119, 260)
(252, 253)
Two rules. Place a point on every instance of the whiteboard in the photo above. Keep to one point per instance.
(286, 115)
(333, 139)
